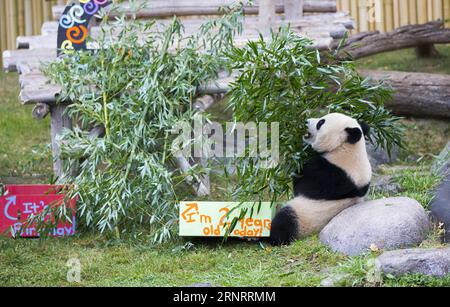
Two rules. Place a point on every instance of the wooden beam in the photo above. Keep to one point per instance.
(59, 121)
(161, 8)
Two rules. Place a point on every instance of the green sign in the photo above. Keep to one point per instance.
(210, 219)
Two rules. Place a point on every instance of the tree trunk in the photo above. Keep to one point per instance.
(369, 43)
(426, 51)
(416, 94)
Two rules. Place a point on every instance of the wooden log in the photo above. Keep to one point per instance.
(293, 9)
(404, 37)
(59, 121)
(46, 93)
(166, 8)
(12, 58)
(415, 94)
(40, 111)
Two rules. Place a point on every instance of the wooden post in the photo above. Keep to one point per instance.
(354, 10)
(346, 5)
(12, 21)
(58, 122)
(396, 13)
(3, 37)
(438, 9)
(371, 14)
(20, 17)
(46, 10)
(430, 10)
(267, 15)
(380, 21)
(422, 11)
(28, 18)
(413, 12)
(363, 23)
(404, 12)
(447, 12)
(389, 17)
(293, 9)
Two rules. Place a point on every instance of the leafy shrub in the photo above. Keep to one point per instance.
(284, 80)
(137, 86)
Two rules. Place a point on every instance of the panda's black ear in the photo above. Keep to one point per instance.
(365, 128)
(354, 135)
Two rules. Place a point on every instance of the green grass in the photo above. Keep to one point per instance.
(24, 151)
(133, 262)
(406, 60)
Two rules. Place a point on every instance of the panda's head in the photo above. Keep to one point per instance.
(327, 133)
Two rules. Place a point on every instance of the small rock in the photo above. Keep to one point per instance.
(378, 156)
(386, 184)
(432, 262)
(333, 280)
(387, 223)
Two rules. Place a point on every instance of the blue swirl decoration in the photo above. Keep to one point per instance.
(75, 19)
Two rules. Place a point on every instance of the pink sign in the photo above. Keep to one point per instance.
(15, 209)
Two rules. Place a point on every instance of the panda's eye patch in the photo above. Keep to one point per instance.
(320, 124)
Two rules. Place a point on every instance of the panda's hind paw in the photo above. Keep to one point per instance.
(284, 228)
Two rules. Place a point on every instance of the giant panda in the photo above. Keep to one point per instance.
(333, 180)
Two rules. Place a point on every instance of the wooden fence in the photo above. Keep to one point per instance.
(386, 15)
(23, 17)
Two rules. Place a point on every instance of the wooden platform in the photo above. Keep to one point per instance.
(319, 21)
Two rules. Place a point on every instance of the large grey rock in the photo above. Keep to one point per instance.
(388, 223)
(440, 205)
(378, 155)
(385, 184)
(432, 262)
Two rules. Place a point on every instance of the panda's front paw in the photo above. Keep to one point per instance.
(285, 228)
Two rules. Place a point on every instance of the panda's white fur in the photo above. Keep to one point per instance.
(336, 179)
